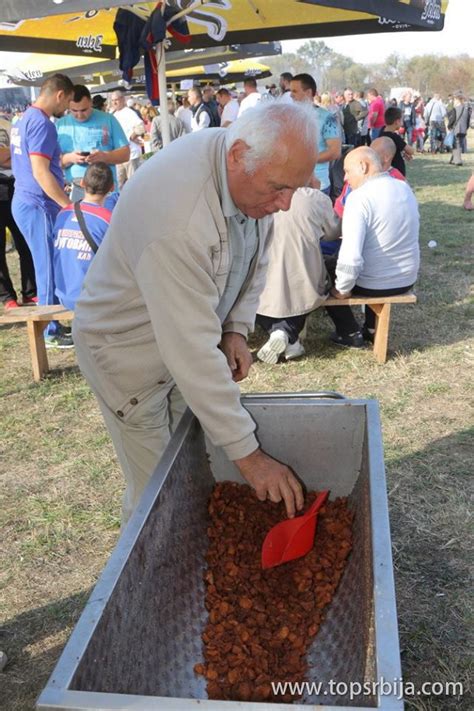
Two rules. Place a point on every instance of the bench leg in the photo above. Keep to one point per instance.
(39, 359)
(382, 325)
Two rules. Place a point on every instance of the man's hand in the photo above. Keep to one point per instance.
(234, 346)
(314, 183)
(337, 294)
(72, 158)
(98, 156)
(272, 480)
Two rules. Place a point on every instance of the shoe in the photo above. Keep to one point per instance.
(64, 330)
(274, 347)
(294, 350)
(11, 304)
(353, 340)
(30, 301)
(59, 341)
(368, 335)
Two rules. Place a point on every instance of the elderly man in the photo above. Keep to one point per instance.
(134, 129)
(177, 128)
(171, 308)
(297, 282)
(379, 255)
(86, 136)
(385, 149)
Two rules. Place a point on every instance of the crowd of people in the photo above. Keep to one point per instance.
(168, 270)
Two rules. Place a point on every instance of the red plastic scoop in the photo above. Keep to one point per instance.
(292, 539)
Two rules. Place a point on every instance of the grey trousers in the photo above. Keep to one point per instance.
(126, 170)
(140, 437)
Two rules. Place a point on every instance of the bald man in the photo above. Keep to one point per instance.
(385, 149)
(379, 254)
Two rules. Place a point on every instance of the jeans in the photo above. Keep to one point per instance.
(456, 155)
(375, 132)
(37, 224)
(352, 139)
(408, 132)
(344, 319)
(28, 283)
(292, 325)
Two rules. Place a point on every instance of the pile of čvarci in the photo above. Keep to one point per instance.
(262, 622)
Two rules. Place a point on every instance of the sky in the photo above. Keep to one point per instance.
(457, 37)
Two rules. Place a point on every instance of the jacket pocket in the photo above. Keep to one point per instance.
(132, 360)
(220, 258)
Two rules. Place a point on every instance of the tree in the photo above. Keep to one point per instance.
(426, 74)
(287, 62)
(318, 56)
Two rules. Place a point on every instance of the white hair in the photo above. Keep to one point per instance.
(264, 126)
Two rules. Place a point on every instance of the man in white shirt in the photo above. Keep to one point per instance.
(379, 254)
(201, 114)
(134, 129)
(435, 114)
(252, 96)
(229, 106)
(285, 88)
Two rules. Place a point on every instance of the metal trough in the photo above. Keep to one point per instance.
(139, 635)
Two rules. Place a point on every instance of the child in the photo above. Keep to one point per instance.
(419, 133)
(72, 250)
(393, 122)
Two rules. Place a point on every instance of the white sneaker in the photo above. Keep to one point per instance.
(294, 350)
(273, 348)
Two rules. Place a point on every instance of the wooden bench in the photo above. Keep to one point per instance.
(381, 306)
(36, 319)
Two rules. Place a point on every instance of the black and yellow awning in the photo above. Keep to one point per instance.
(90, 32)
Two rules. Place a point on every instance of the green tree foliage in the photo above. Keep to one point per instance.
(333, 71)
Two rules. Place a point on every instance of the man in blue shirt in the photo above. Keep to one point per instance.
(303, 88)
(39, 187)
(87, 136)
(72, 251)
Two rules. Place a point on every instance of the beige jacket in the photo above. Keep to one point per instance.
(148, 311)
(296, 277)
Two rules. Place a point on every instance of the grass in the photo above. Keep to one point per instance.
(61, 486)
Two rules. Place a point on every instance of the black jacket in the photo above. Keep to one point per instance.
(352, 113)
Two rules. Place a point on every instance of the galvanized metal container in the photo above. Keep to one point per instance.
(139, 636)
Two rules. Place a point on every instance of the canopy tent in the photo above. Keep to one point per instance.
(90, 32)
(33, 69)
(425, 13)
(416, 12)
(224, 73)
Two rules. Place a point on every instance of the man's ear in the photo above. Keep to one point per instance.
(236, 154)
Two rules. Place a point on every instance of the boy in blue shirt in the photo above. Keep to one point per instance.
(72, 251)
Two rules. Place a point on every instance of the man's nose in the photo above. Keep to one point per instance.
(283, 201)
